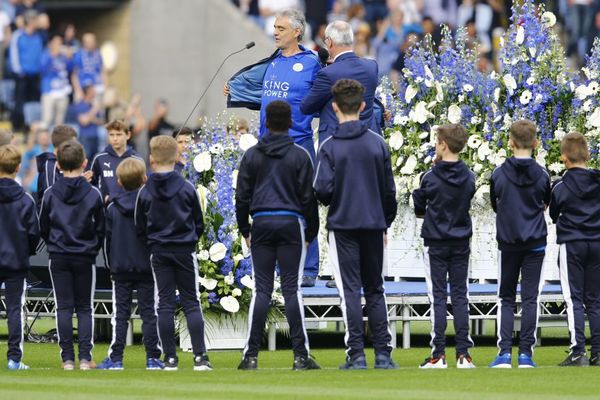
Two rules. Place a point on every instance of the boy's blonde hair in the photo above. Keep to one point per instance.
(131, 173)
(454, 135)
(117, 125)
(574, 148)
(523, 133)
(163, 149)
(10, 158)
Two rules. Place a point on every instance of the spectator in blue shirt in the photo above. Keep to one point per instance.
(89, 119)
(55, 83)
(88, 67)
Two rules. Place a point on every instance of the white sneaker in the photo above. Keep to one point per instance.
(464, 361)
(431, 363)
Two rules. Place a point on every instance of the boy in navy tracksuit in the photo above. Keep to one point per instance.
(184, 138)
(46, 162)
(168, 214)
(72, 225)
(19, 230)
(519, 193)
(575, 209)
(354, 178)
(104, 166)
(444, 200)
(275, 187)
(129, 261)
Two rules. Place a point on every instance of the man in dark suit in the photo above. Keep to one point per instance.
(339, 39)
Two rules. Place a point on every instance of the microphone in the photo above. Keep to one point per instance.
(246, 47)
(323, 55)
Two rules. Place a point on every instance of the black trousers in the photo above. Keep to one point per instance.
(27, 88)
(579, 264)
(122, 300)
(277, 239)
(445, 265)
(14, 297)
(528, 264)
(74, 283)
(356, 258)
(178, 271)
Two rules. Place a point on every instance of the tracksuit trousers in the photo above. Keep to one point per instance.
(356, 257)
(445, 265)
(277, 239)
(579, 264)
(14, 297)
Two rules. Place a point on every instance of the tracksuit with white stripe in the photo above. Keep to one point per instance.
(72, 225)
(19, 230)
(168, 214)
(104, 166)
(354, 178)
(443, 200)
(274, 186)
(519, 193)
(129, 261)
(575, 208)
(48, 173)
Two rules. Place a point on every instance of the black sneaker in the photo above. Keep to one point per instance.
(171, 364)
(595, 360)
(303, 363)
(359, 362)
(384, 361)
(308, 281)
(575, 360)
(248, 363)
(202, 363)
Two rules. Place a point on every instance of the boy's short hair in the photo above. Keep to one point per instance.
(279, 116)
(163, 149)
(348, 94)
(131, 173)
(10, 158)
(454, 135)
(117, 125)
(237, 124)
(575, 148)
(70, 155)
(523, 133)
(185, 131)
(62, 133)
(6, 137)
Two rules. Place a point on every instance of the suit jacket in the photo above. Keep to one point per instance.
(320, 99)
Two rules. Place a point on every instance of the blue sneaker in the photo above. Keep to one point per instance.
(525, 361)
(358, 363)
(16, 365)
(154, 364)
(108, 364)
(384, 361)
(502, 361)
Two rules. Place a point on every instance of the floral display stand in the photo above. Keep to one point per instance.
(221, 333)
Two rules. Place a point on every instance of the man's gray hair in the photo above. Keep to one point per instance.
(340, 33)
(297, 20)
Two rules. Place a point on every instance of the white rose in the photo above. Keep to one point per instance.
(203, 162)
(500, 157)
(559, 134)
(246, 141)
(548, 19)
(477, 168)
(474, 142)
(510, 82)
(396, 140)
(229, 279)
(454, 114)
(468, 88)
(203, 197)
(587, 106)
(424, 135)
(520, 35)
(217, 252)
(247, 281)
(475, 120)
(230, 304)
(420, 113)
(237, 292)
(409, 166)
(410, 93)
(483, 151)
(525, 97)
(208, 283)
(594, 119)
(203, 255)
(401, 120)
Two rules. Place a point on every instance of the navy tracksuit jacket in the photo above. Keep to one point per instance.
(48, 173)
(519, 193)
(72, 224)
(575, 209)
(104, 166)
(274, 185)
(129, 260)
(354, 178)
(168, 214)
(444, 199)
(19, 230)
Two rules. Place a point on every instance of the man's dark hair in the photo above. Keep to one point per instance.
(348, 94)
(279, 116)
(185, 131)
(70, 155)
